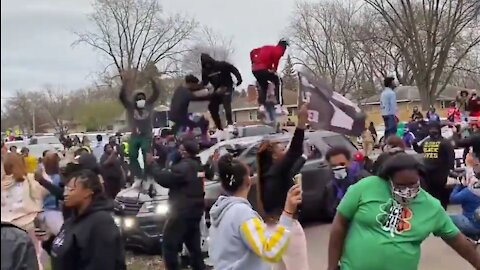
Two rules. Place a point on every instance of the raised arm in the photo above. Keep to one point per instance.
(124, 96)
(156, 89)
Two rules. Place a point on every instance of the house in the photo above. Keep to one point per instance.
(245, 109)
(407, 98)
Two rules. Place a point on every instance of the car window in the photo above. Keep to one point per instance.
(312, 151)
(47, 140)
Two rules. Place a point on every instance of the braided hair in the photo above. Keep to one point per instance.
(232, 173)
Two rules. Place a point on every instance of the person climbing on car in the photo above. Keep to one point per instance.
(139, 110)
(186, 199)
(274, 181)
(219, 75)
(439, 159)
(265, 61)
(181, 99)
(344, 174)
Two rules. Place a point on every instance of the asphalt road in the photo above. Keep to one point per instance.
(436, 255)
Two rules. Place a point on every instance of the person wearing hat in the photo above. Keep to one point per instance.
(439, 158)
(184, 180)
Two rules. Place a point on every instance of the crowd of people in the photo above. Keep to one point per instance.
(60, 206)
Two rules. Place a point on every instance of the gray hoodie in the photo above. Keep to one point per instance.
(239, 238)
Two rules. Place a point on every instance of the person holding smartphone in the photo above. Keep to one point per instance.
(275, 178)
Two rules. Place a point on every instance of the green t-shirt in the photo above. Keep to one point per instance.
(383, 234)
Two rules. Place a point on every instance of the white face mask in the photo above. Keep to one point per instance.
(141, 103)
(404, 195)
(340, 172)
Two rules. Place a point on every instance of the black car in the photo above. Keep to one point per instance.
(315, 173)
(141, 212)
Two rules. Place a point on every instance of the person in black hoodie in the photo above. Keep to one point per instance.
(89, 239)
(439, 158)
(181, 98)
(275, 179)
(112, 172)
(219, 74)
(139, 115)
(186, 200)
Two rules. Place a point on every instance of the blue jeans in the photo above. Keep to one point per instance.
(465, 225)
(390, 125)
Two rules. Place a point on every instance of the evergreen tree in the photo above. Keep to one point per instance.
(289, 76)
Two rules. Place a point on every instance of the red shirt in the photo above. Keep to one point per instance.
(266, 57)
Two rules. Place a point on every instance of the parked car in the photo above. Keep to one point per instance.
(141, 210)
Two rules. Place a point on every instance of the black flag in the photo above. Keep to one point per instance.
(328, 110)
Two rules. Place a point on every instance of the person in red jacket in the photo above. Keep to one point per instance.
(474, 104)
(264, 67)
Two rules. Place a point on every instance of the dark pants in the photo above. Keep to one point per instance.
(390, 126)
(263, 77)
(176, 232)
(136, 143)
(214, 107)
(436, 186)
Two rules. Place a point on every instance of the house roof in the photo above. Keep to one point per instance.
(410, 93)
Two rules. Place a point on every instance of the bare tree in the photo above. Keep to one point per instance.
(135, 33)
(56, 104)
(211, 42)
(433, 36)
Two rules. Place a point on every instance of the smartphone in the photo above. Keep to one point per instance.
(297, 179)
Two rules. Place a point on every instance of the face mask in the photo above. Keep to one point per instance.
(404, 195)
(340, 172)
(141, 103)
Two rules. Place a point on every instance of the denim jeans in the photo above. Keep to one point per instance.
(465, 225)
(390, 125)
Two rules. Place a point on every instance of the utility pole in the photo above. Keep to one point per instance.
(33, 121)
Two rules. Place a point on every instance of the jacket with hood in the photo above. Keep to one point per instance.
(277, 179)
(185, 183)
(266, 57)
(180, 101)
(469, 198)
(89, 241)
(238, 237)
(21, 201)
(439, 156)
(218, 73)
(140, 120)
(18, 252)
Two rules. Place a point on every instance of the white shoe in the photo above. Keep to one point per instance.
(218, 135)
(230, 128)
(278, 109)
(261, 109)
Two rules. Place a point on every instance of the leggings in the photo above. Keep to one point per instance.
(214, 108)
(263, 77)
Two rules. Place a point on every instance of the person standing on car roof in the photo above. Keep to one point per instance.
(439, 158)
(140, 110)
(274, 181)
(265, 61)
(219, 74)
(181, 99)
(186, 200)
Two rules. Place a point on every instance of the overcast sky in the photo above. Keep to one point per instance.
(36, 37)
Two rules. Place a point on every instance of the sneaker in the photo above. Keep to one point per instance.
(261, 109)
(278, 109)
(219, 135)
(230, 128)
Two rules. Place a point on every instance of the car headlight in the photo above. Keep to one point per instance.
(128, 223)
(118, 221)
(160, 208)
